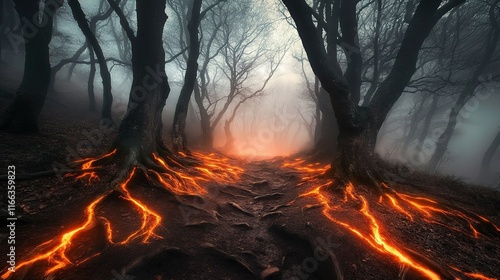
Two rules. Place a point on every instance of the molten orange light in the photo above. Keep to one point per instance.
(372, 231)
(87, 164)
(56, 256)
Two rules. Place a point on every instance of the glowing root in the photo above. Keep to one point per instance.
(371, 231)
(185, 181)
(88, 164)
(56, 256)
(374, 238)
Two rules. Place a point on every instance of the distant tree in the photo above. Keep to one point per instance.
(22, 115)
(94, 46)
(469, 90)
(181, 110)
(488, 157)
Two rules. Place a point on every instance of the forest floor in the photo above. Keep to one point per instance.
(278, 220)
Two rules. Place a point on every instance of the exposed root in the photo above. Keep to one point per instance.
(163, 172)
(347, 204)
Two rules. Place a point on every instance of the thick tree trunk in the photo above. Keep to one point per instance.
(488, 157)
(80, 18)
(139, 134)
(181, 110)
(22, 115)
(358, 128)
(1, 30)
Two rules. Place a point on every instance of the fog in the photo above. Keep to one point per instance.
(280, 120)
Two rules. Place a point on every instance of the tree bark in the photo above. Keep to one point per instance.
(350, 44)
(80, 18)
(22, 115)
(181, 109)
(140, 132)
(91, 79)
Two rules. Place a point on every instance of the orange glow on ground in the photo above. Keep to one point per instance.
(181, 181)
(370, 229)
(56, 256)
(87, 164)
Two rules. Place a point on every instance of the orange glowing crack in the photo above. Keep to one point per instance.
(150, 219)
(374, 239)
(88, 165)
(427, 207)
(56, 257)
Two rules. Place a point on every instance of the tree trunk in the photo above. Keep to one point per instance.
(181, 110)
(204, 118)
(139, 134)
(56, 68)
(80, 18)
(22, 115)
(358, 128)
(488, 157)
(350, 44)
(326, 146)
(90, 82)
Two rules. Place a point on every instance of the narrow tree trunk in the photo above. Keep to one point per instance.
(79, 16)
(427, 122)
(22, 115)
(61, 64)
(488, 157)
(445, 137)
(468, 91)
(181, 110)
(411, 130)
(204, 118)
(90, 82)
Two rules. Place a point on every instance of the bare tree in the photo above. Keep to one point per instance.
(94, 46)
(22, 114)
(469, 89)
(359, 126)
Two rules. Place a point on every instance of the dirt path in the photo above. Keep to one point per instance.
(245, 229)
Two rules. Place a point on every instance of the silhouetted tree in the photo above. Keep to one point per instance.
(89, 32)
(359, 126)
(22, 115)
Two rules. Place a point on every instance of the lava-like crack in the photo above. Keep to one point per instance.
(371, 230)
(181, 181)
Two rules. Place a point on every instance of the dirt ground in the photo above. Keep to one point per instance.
(258, 227)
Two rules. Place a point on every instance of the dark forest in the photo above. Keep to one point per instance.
(262, 139)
